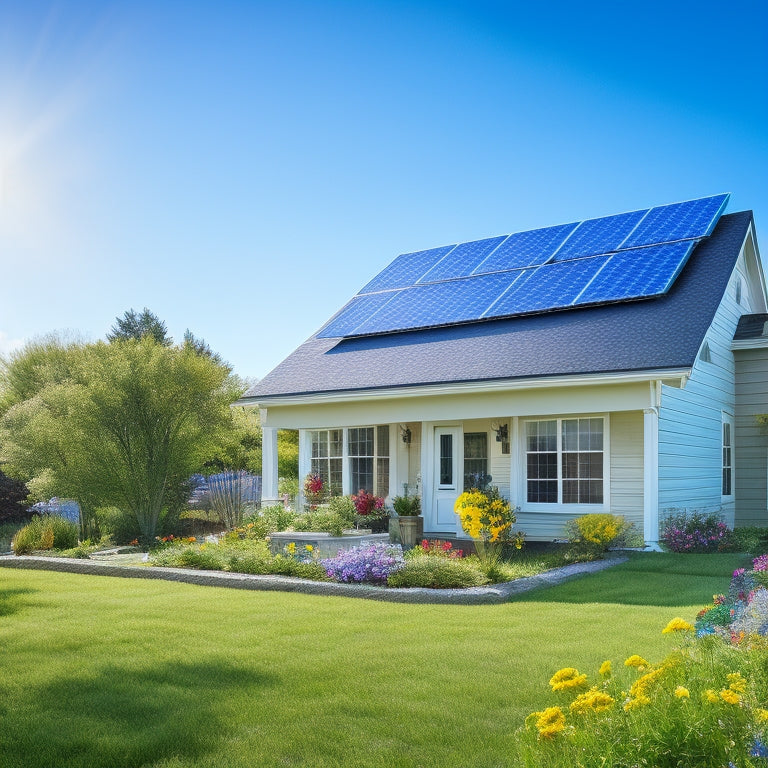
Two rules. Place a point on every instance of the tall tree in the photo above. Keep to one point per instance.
(133, 325)
(131, 421)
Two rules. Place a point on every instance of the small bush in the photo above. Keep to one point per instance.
(372, 563)
(438, 573)
(749, 539)
(407, 506)
(596, 533)
(121, 527)
(45, 532)
(269, 520)
(696, 532)
(321, 520)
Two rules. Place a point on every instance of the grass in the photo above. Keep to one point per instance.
(101, 671)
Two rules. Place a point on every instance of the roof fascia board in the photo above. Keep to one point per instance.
(673, 377)
(751, 235)
(758, 343)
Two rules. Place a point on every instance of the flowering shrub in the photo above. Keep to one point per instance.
(695, 532)
(367, 504)
(484, 515)
(313, 489)
(438, 548)
(741, 616)
(369, 563)
(302, 553)
(702, 706)
(597, 532)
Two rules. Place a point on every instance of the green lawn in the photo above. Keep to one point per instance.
(100, 671)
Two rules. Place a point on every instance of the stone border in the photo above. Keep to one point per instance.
(496, 593)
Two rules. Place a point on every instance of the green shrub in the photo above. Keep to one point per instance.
(121, 527)
(322, 520)
(45, 532)
(438, 573)
(268, 520)
(407, 506)
(750, 539)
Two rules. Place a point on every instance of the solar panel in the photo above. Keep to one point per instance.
(614, 258)
(526, 249)
(357, 310)
(636, 273)
(596, 236)
(678, 221)
(453, 301)
(551, 286)
(461, 260)
(406, 269)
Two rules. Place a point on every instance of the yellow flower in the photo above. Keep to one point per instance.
(642, 684)
(566, 678)
(710, 696)
(682, 692)
(605, 668)
(636, 661)
(737, 682)
(593, 700)
(308, 547)
(729, 696)
(291, 547)
(550, 722)
(636, 702)
(761, 715)
(677, 625)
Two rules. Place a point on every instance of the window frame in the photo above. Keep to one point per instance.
(560, 506)
(727, 420)
(376, 458)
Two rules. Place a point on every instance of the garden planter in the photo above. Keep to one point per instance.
(407, 531)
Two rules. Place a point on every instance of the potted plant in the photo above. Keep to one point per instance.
(408, 525)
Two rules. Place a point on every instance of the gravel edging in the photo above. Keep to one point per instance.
(496, 593)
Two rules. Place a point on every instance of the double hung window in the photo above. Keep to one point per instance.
(327, 458)
(565, 461)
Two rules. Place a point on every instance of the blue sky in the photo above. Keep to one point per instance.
(243, 168)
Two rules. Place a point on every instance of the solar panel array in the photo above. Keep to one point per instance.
(625, 257)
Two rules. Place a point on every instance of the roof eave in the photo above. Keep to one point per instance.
(676, 377)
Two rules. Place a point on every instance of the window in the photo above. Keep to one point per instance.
(476, 460)
(446, 460)
(326, 461)
(706, 355)
(368, 449)
(565, 461)
(738, 290)
(727, 456)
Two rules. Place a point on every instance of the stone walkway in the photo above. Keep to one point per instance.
(130, 566)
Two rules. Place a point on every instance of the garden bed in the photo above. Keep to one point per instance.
(495, 593)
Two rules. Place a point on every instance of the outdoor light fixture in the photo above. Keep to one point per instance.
(405, 433)
(501, 430)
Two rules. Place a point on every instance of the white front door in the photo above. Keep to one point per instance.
(448, 474)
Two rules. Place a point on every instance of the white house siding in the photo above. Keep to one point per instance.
(751, 448)
(690, 423)
(627, 466)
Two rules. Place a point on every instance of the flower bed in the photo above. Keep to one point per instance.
(705, 704)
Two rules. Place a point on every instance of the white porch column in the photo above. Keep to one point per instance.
(269, 492)
(651, 476)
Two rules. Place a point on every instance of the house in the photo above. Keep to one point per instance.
(610, 365)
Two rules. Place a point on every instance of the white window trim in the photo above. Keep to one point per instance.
(727, 418)
(560, 508)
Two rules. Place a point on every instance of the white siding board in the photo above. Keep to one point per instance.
(626, 482)
(690, 422)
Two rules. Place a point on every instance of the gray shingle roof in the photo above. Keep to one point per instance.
(654, 334)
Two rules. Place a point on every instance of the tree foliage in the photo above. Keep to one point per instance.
(121, 424)
(134, 325)
(13, 496)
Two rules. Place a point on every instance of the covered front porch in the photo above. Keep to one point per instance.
(555, 453)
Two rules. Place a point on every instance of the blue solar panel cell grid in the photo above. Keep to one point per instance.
(433, 304)
(355, 312)
(526, 249)
(462, 260)
(638, 273)
(678, 221)
(406, 269)
(552, 286)
(597, 236)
